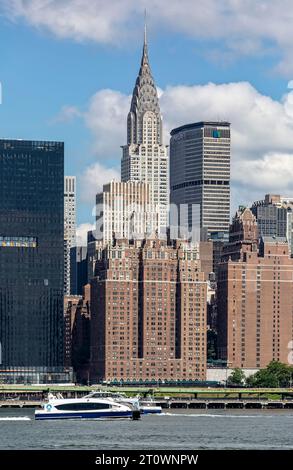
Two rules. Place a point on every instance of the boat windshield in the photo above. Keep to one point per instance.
(83, 406)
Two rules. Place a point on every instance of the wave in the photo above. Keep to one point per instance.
(209, 415)
(14, 418)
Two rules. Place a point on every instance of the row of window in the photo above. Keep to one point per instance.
(23, 242)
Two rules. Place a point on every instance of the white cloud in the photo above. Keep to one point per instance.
(97, 20)
(261, 130)
(66, 114)
(106, 118)
(258, 122)
(81, 233)
(252, 179)
(92, 180)
(262, 146)
(241, 27)
(273, 172)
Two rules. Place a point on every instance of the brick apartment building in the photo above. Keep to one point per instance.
(148, 307)
(255, 297)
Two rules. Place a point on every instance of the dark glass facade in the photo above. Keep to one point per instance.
(78, 269)
(31, 255)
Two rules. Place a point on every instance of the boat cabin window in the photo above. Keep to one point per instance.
(83, 406)
(105, 395)
(100, 395)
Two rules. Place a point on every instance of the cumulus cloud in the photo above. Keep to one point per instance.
(240, 27)
(106, 118)
(93, 179)
(261, 131)
(100, 21)
(259, 123)
(274, 171)
(81, 233)
(262, 151)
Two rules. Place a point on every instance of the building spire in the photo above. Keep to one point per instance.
(145, 27)
(145, 59)
(144, 99)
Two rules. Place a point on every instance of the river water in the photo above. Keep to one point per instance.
(175, 429)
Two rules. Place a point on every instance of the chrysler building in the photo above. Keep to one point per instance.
(145, 158)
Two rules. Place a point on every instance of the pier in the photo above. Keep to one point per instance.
(179, 404)
(19, 404)
(225, 405)
(25, 396)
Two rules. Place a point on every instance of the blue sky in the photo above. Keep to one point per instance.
(50, 78)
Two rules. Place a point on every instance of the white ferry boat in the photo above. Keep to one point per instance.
(85, 408)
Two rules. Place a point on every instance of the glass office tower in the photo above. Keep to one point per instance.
(200, 175)
(31, 261)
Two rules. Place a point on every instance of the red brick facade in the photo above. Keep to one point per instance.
(255, 299)
(148, 305)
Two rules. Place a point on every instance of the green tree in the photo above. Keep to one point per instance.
(276, 374)
(237, 377)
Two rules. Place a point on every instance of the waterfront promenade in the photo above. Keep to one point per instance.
(29, 396)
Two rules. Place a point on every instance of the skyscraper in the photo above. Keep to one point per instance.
(148, 307)
(78, 269)
(145, 158)
(69, 227)
(31, 260)
(200, 176)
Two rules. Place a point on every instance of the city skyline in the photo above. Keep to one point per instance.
(207, 90)
(146, 230)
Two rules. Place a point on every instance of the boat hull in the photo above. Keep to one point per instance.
(84, 415)
(150, 410)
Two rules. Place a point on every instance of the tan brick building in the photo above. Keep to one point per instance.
(148, 303)
(124, 210)
(255, 297)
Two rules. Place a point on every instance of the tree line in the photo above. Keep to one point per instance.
(276, 374)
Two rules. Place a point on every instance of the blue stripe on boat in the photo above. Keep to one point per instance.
(147, 412)
(79, 415)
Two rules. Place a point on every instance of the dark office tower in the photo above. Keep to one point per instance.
(31, 261)
(78, 269)
(200, 175)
